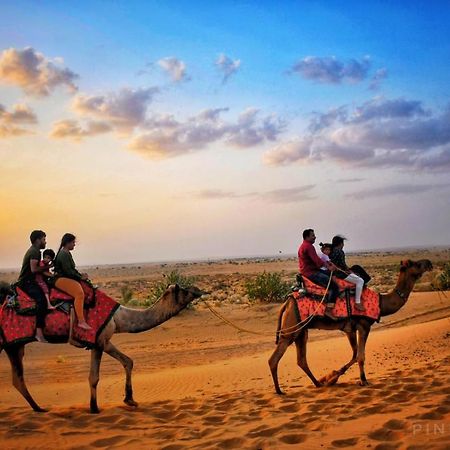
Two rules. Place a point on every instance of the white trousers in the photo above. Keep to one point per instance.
(359, 282)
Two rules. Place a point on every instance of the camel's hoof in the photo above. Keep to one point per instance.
(40, 410)
(364, 383)
(131, 402)
(95, 411)
(280, 392)
(319, 384)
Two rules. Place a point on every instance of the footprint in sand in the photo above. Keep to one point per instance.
(293, 438)
(342, 443)
(385, 434)
(109, 442)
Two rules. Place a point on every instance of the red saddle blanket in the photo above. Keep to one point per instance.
(308, 305)
(18, 321)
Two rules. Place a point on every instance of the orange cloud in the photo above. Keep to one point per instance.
(34, 73)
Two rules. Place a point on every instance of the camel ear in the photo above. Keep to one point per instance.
(405, 264)
(176, 289)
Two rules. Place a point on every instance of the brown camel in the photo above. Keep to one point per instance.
(124, 320)
(390, 303)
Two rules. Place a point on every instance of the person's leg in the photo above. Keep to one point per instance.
(359, 283)
(358, 270)
(35, 292)
(323, 279)
(74, 289)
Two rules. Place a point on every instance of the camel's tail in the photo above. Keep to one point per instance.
(280, 316)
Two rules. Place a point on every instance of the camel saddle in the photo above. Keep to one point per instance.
(18, 318)
(308, 301)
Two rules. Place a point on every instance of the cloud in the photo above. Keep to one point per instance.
(21, 114)
(349, 180)
(329, 70)
(175, 68)
(34, 73)
(167, 137)
(380, 133)
(73, 130)
(377, 78)
(227, 66)
(123, 110)
(397, 189)
(286, 195)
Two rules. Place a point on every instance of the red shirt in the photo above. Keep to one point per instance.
(308, 261)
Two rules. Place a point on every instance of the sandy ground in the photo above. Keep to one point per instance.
(202, 384)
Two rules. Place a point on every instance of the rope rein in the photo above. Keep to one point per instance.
(292, 329)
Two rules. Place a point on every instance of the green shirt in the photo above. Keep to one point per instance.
(65, 266)
(26, 275)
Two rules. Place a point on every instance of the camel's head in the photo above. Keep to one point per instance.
(416, 268)
(183, 296)
(5, 291)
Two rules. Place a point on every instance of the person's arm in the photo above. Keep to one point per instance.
(314, 257)
(36, 268)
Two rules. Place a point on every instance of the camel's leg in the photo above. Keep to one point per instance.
(333, 377)
(280, 350)
(363, 334)
(354, 344)
(15, 355)
(127, 363)
(300, 343)
(94, 376)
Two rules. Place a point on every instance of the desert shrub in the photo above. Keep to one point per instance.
(127, 294)
(267, 287)
(173, 277)
(443, 279)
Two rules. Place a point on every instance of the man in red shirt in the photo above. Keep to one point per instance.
(309, 265)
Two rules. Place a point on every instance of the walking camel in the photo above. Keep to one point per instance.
(390, 303)
(124, 320)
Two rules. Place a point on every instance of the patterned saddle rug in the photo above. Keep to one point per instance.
(309, 303)
(18, 319)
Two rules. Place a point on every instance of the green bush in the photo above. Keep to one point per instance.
(267, 287)
(127, 294)
(174, 277)
(443, 279)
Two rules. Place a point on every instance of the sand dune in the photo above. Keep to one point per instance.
(201, 384)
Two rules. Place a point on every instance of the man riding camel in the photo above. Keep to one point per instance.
(309, 266)
(27, 279)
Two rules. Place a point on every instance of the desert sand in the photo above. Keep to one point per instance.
(202, 384)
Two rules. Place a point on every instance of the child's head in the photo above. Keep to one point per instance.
(325, 248)
(48, 255)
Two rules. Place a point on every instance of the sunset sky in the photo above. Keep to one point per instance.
(183, 130)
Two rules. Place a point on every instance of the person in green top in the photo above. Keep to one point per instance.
(27, 279)
(67, 277)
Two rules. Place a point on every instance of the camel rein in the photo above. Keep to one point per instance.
(292, 329)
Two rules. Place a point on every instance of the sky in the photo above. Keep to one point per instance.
(176, 130)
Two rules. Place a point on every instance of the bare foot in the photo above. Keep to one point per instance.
(84, 325)
(359, 307)
(51, 307)
(40, 337)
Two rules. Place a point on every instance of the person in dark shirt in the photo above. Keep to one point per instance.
(337, 257)
(309, 266)
(27, 279)
(67, 277)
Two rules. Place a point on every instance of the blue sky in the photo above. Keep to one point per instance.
(333, 115)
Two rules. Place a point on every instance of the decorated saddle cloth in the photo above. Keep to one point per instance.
(309, 303)
(18, 319)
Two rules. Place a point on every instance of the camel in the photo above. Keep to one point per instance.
(124, 320)
(390, 303)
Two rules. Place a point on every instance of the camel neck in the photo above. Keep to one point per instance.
(390, 303)
(137, 320)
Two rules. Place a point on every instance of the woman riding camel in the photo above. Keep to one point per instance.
(337, 257)
(68, 278)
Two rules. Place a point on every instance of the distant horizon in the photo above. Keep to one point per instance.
(236, 257)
